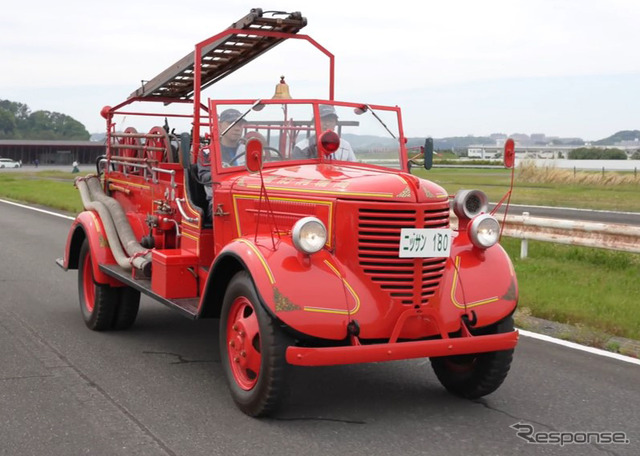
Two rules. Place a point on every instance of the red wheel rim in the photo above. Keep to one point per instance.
(157, 138)
(88, 286)
(132, 152)
(243, 343)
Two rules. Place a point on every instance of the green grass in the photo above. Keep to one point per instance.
(495, 183)
(51, 189)
(48, 174)
(578, 285)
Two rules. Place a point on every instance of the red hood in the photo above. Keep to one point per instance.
(344, 182)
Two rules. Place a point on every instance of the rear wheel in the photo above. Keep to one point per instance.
(252, 349)
(104, 307)
(127, 309)
(98, 302)
(476, 375)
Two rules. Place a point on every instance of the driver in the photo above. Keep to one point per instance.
(230, 147)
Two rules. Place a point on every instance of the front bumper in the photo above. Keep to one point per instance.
(353, 354)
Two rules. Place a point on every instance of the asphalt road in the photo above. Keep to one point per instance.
(588, 215)
(158, 389)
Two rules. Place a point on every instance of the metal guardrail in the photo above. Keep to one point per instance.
(611, 236)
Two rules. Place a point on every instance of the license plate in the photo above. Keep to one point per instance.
(425, 242)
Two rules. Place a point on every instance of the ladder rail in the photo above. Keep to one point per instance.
(233, 48)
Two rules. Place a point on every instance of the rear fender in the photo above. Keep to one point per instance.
(305, 292)
(88, 225)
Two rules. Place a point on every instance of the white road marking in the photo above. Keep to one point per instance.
(575, 346)
(37, 209)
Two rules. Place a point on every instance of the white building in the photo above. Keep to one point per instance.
(485, 152)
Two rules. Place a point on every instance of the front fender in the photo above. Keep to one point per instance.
(88, 225)
(306, 292)
(482, 281)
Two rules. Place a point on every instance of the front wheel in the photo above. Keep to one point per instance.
(476, 375)
(252, 349)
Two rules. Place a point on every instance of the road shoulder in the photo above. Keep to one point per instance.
(578, 334)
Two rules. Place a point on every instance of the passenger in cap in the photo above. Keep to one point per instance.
(328, 121)
(230, 147)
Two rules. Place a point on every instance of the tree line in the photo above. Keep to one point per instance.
(18, 122)
(594, 153)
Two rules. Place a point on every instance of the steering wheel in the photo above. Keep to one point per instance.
(236, 158)
(267, 150)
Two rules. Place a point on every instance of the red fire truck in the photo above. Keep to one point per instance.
(311, 241)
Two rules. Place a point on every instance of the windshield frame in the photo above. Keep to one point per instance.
(216, 106)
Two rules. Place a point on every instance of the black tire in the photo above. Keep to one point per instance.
(127, 308)
(98, 302)
(476, 375)
(250, 341)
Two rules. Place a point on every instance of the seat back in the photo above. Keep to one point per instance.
(196, 194)
(185, 150)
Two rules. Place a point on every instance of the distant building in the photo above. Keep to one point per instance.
(629, 143)
(485, 152)
(538, 138)
(521, 138)
(51, 152)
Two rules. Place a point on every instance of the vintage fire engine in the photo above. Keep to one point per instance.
(317, 245)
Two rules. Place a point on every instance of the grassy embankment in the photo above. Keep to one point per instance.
(591, 287)
(53, 189)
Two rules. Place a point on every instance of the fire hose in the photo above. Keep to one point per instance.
(116, 225)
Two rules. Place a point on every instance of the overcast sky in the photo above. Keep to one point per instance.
(562, 67)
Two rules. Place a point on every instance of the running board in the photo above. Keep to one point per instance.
(187, 307)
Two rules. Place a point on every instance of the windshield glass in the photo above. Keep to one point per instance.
(288, 131)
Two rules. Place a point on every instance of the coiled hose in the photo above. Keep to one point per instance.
(116, 225)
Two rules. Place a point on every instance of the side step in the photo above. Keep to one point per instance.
(187, 306)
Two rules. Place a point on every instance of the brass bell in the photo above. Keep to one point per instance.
(282, 90)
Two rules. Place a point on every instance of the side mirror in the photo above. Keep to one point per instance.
(254, 155)
(360, 110)
(509, 153)
(428, 153)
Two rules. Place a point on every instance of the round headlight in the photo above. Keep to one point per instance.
(484, 231)
(469, 203)
(309, 235)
